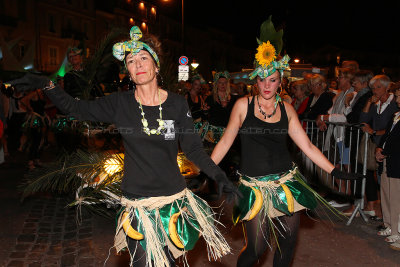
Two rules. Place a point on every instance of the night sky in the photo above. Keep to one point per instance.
(308, 25)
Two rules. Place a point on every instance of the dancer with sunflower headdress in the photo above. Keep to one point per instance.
(273, 189)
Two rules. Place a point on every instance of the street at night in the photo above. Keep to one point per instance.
(162, 133)
(41, 231)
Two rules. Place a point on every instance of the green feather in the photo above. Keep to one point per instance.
(268, 33)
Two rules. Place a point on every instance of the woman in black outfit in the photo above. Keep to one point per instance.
(272, 187)
(220, 103)
(320, 100)
(153, 123)
(194, 98)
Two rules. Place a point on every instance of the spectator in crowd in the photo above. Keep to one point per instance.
(354, 104)
(74, 82)
(376, 114)
(16, 117)
(300, 99)
(333, 87)
(284, 91)
(351, 64)
(320, 101)
(379, 108)
(336, 114)
(194, 98)
(388, 152)
(219, 104)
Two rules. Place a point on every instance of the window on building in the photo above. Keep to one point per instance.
(22, 51)
(51, 23)
(53, 52)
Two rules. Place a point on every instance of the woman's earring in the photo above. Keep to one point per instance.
(279, 90)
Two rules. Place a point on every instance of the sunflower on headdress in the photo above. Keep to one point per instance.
(266, 53)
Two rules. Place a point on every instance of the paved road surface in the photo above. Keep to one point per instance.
(42, 232)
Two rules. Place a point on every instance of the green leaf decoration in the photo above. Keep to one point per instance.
(268, 33)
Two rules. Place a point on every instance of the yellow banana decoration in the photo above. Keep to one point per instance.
(258, 202)
(173, 233)
(132, 233)
(289, 198)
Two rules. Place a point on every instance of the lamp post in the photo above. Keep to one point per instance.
(183, 27)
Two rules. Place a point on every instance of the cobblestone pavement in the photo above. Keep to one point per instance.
(42, 232)
(50, 236)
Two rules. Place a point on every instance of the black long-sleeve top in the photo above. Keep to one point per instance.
(150, 163)
(390, 142)
(321, 106)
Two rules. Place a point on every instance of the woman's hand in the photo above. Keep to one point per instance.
(367, 129)
(373, 99)
(378, 154)
(348, 99)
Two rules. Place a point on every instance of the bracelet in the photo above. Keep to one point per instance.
(49, 87)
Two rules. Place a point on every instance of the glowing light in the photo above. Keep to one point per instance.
(194, 64)
(131, 21)
(114, 164)
(28, 67)
(296, 60)
(144, 25)
(153, 10)
(141, 5)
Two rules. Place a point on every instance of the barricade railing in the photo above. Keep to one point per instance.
(341, 144)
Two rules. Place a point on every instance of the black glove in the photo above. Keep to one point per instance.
(226, 186)
(337, 173)
(30, 82)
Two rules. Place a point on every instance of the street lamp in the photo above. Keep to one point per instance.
(194, 64)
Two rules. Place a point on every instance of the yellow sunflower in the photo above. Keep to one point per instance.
(265, 54)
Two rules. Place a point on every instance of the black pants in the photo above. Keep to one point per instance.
(371, 186)
(258, 235)
(36, 137)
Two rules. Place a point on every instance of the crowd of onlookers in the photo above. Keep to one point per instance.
(355, 96)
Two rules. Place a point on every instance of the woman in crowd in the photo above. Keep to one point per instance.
(271, 185)
(153, 122)
(320, 100)
(194, 98)
(388, 152)
(300, 100)
(219, 104)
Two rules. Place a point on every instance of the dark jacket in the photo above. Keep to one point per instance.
(354, 118)
(391, 139)
(323, 104)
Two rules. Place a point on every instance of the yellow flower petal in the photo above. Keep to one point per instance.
(265, 54)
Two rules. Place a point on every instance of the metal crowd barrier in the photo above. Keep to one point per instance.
(346, 187)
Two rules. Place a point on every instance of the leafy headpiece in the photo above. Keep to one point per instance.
(133, 46)
(198, 77)
(222, 74)
(270, 46)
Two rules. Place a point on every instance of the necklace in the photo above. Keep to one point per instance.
(145, 124)
(263, 113)
(225, 98)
